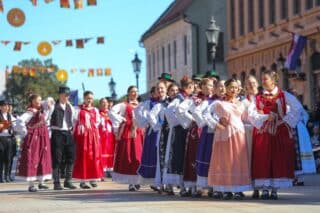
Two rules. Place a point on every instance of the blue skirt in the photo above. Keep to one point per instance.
(204, 152)
(148, 165)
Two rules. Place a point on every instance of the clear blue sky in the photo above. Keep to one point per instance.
(122, 22)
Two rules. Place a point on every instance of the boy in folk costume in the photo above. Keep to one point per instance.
(274, 114)
(129, 141)
(62, 141)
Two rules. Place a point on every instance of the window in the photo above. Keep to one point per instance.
(272, 12)
(296, 7)
(309, 4)
(251, 15)
(315, 61)
(284, 9)
(253, 72)
(154, 64)
(241, 17)
(232, 20)
(185, 47)
(169, 57)
(261, 13)
(163, 59)
(175, 54)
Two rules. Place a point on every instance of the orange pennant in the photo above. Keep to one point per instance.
(80, 43)
(64, 4)
(17, 46)
(16, 69)
(99, 72)
(91, 2)
(107, 71)
(78, 4)
(33, 72)
(100, 40)
(90, 72)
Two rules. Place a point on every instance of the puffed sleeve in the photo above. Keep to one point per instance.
(98, 118)
(209, 116)
(198, 113)
(141, 114)
(292, 117)
(116, 115)
(154, 116)
(255, 118)
(170, 113)
(183, 112)
(20, 126)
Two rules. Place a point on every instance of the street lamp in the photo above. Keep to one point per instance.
(112, 88)
(281, 64)
(212, 34)
(136, 63)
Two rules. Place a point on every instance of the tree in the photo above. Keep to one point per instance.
(21, 84)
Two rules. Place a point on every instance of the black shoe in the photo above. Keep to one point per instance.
(42, 186)
(32, 189)
(274, 196)
(217, 195)
(57, 186)
(84, 186)
(255, 194)
(238, 196)
(227, 195)
(184, 193)
(93, 184)
(108, 174)
(1, 181)
(132, 188)
(301, 183)
(154, 188)
(137, 187)
(69, 185)
(197, 194)
(265, 195)
(7, 179)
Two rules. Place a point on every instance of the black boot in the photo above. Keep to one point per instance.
(56, 179)
(6, 173)
(68, 180)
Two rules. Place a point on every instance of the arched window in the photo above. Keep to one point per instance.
(253, 72)
(243, 77)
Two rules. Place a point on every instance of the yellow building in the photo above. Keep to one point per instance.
(261, 30)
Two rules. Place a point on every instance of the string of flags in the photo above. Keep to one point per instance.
(78, 4)
(44, 48)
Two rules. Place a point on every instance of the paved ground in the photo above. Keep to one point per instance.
(111, 197)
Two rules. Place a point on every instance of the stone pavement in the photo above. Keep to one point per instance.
(111, 197)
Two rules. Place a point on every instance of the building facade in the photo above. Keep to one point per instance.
(261, 30)
(176, 43)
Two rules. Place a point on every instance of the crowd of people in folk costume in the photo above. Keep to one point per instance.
(204, 134)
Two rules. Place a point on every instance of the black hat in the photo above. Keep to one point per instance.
(211, 74)
(64, 90)
(166, 76)
(4, 102)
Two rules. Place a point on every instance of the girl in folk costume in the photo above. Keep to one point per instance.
(88, 163)
(107, 138)
(229, 166)
(147, 169)
(159, 122)
(220, 89)
(177, 141)
(206, 138)
(34, 162)
(273, 115)
(129, 141)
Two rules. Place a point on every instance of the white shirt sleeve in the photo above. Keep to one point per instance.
(209, 117)
(141, 113)
(255, 118)
(293, 115)
(154, 115)
(117, 115)
(21, 123)
(183, 112)
(198, 113)
(170, 113)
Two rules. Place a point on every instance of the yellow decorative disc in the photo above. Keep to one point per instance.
(62, 75)
(44, 48)
(16, 17)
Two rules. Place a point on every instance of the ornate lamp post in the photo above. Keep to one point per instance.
(280, 64)
(136, 63)
(212, 34)
(112, 88)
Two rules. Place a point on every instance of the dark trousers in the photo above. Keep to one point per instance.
(7, 153)
(63, 152)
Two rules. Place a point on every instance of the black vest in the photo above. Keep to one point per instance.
(10, 130)
(58, 115)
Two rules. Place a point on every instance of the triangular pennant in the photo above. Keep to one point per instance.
(100, 40)
(86, 40)
(80, 43)
(56, 42)
(91, 2)
(1, 6)
(26, 42)
(64, 4)
(69, 43)
(99, 72)
(5, 43)
(17, 46)
(33, 72)
(78, 4)
(34, 2)
(90, 72)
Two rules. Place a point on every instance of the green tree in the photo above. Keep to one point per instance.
(20, 85)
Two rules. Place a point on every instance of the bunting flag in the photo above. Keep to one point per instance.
(91, 2)
(86, 40)
(80, 43)
(64, 4)
(78, 4)
(73, 70)
(34, 2)
(99, 72)
(48, 1)
(100, 40)
(26, 42)
(69, 43)
(5, 43)
(107, 71)
(56, 42)
(16, 69)
(32, 72)
(1, 6)
(17, 46)
(91, 72)
(82, 70)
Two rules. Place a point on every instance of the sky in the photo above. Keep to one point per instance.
(122, 22)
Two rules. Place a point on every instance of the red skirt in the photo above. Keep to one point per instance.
(273, 156)
(107, 141)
